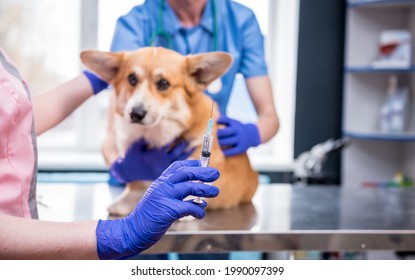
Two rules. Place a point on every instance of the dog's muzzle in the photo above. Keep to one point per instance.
(137, 114)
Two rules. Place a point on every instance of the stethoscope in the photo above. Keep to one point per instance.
(160, 35)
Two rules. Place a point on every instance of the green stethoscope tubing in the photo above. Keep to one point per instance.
(166, 36)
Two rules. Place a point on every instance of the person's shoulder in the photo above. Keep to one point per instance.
(241, 14)
(241, 11)
(148, 9)
(136, 11)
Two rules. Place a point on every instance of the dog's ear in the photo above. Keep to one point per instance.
(105, 64)
(207, 67)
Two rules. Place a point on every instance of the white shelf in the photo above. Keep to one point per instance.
(370, 69)
(380, 3)
(380, 136)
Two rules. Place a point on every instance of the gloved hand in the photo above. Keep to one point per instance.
(161, 205)
(237, 137)
(97, 84)
(142, 163)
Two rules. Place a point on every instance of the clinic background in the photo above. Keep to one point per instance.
(304, 48)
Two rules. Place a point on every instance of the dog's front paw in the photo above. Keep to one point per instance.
(125, 203)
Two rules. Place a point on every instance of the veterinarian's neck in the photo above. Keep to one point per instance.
(188, 11)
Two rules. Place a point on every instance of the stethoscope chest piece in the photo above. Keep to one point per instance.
(215, 86)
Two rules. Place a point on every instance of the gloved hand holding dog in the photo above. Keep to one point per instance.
(143, 163)
(235, 138)
(161, 205)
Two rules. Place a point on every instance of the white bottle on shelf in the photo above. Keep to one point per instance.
(384, 118)
(387, 118)
(398, 119)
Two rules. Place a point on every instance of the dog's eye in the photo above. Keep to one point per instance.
(162, 84)
(132, 79)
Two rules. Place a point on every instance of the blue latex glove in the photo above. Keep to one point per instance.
(161, 205)
(237, 137)
(97, 84)
(142, 163)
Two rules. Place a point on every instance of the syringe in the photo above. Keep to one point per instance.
(206, 148)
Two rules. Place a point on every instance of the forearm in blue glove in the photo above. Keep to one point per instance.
(235, 138)
(97, 84)
(161, 205)
(143, 163)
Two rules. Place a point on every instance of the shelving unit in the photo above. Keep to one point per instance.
(374, 156)
(370, 69)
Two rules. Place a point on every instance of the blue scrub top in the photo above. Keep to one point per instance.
(238, 34)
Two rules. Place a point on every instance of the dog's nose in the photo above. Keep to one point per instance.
(137, 114)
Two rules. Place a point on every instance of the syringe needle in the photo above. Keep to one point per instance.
(211, 110)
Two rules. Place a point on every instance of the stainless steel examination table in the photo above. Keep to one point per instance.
(281, 218)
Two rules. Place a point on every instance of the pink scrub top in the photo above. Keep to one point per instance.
(18, 152)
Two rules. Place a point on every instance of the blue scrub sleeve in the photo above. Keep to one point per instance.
(129, 31)
(253, 54)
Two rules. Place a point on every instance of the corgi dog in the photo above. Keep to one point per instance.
(169, 88)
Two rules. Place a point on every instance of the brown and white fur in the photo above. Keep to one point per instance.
(169, 90)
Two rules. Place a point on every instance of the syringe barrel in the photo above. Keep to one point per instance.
(204, 161)
(207, 143)
(206, 148)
